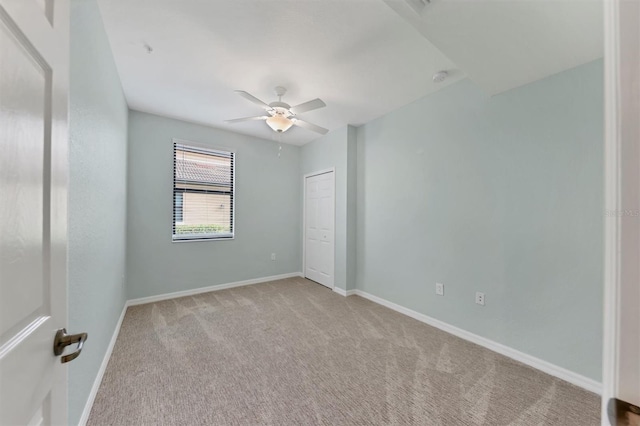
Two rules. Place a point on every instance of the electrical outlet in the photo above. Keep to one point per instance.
(273, 256)
(440, 289)
(480, 298)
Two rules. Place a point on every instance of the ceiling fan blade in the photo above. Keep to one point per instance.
(308, 106)
(237, 120)
(253, 99)
(309, 126)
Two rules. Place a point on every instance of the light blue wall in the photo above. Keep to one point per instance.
(501, 195)
(337, 149)
(97, 197)
(267, 218)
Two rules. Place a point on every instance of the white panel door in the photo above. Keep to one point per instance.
(34, 68)
(319, 225)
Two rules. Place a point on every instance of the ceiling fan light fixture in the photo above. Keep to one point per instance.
(279, 123)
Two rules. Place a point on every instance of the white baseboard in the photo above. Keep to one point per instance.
(343, 292)
(101, 370)
(551, 369)
(151, 299)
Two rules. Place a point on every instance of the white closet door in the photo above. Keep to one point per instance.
(319, 225)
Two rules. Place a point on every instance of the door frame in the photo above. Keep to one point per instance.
(621, 342)
(304, 220)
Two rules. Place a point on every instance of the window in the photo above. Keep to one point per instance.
(177, 207)
(202, 193)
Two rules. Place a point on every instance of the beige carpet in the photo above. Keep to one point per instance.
(292, 352)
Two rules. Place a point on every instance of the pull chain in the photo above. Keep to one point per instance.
(279, 144)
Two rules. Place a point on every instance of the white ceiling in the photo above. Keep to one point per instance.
(364, 58)
(360, 57)
(502, 44)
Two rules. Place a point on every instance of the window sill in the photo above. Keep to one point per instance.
(190, 240)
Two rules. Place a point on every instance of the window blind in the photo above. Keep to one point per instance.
(203, 193)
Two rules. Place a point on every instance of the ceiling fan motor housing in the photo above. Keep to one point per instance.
(277, 105)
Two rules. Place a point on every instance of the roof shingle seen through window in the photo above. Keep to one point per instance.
(188, 170)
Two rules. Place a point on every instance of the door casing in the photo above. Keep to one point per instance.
(621, 343)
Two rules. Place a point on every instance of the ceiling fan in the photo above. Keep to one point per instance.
(281, 115)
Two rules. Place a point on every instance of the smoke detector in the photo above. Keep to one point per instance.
(440, 76)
